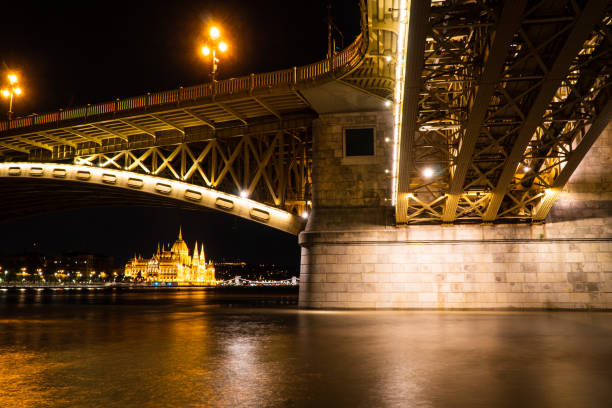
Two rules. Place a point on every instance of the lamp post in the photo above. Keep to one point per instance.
(216, 45)
(13, 89)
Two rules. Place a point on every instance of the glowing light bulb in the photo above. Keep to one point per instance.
(12, 78)
(244, 194)
(17, 91)
(387, 103)
(5, 93)
(305, 215)
(388, 58)
(222, 46)
(428, 172)
(214, 33)
(205, 50)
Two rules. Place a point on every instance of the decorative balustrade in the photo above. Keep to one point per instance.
(339, 64)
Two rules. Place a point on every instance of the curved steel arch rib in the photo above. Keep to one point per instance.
(194, 196)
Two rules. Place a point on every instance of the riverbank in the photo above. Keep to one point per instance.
(121, 286)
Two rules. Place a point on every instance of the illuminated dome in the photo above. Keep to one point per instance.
(179, 245)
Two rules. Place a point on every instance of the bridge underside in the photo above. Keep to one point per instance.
(38, 197)
(502, 102)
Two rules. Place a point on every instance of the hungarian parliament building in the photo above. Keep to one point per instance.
(173, 265)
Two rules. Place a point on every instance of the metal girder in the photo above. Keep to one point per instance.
(199, 117)
(34, 143)
(270, 161)
(169, 123)
(83, 135)
(108, 130)
(591, 14)
(232, 112)
(575, 158)
(13, 147)
(496, 53)
(417, 30)
(58, 139)
(267, 107)
(138, 127)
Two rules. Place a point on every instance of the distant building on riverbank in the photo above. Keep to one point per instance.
(173, 265)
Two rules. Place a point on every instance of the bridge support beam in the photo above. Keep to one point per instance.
(354, 257)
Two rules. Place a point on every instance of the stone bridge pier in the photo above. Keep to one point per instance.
(354, 256)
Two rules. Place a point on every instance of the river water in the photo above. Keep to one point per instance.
(208, 349)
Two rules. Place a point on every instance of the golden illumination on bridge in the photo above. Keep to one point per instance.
(398, 94)
(162, 187)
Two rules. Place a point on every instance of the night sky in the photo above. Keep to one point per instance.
(74, 53)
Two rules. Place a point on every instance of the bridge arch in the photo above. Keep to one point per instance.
(193, 195)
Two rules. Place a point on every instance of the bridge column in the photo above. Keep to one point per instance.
(354, 257)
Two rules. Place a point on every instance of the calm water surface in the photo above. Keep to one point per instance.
(205, 349)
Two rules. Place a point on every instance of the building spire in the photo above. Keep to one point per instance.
(202, 257)
(180, 233)
(195, 251)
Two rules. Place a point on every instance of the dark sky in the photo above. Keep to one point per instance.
(74, 53)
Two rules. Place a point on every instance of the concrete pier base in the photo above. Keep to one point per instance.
(483, 267)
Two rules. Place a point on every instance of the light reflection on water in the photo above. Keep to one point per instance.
(197, 348)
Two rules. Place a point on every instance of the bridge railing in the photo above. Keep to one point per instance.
(337, 65)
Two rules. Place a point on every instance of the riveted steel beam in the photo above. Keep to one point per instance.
(590, 15)
(232, 112)
(34, 143)
(58, 139)
(418, 28)
(138, 127)
(110, 131)
(575, 158)
(14, 147)
(499, 44)
(170, 123)
(82, 134)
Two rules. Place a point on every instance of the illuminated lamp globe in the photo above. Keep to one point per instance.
(428, 172)
(222, 46)
(244, 194)
(205, 50)
(214, 33)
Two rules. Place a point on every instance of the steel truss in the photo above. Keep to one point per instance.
(269, 166)
(510, 93)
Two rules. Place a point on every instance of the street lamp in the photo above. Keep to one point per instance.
(13, 89)
(216, 45)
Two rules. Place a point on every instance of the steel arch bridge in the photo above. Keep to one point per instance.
(501, 100)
